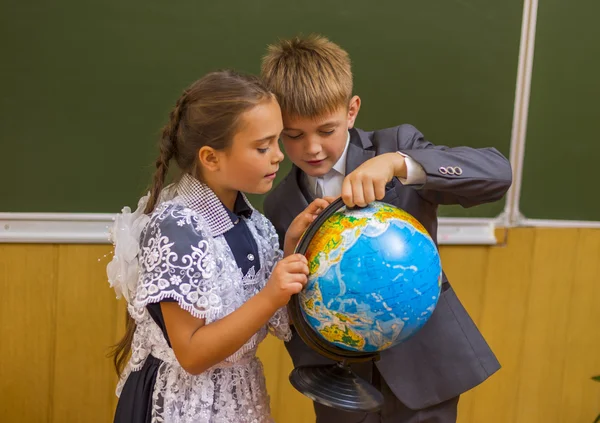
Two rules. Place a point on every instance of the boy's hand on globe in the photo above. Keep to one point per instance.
(367, 182)
(288, 278)
(301, 223)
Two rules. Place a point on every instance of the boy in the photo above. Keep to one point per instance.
(421, 379)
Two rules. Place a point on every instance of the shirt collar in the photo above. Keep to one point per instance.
(200, 198)
(339, 167)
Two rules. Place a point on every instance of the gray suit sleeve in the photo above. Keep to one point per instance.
(485, 174)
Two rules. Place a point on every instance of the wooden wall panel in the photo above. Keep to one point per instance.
(536, 300)
(580, 397)
(543, 353)
(501, 321)
(86, 326)
(28, 276)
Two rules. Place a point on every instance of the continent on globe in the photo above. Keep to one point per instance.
(344, 335)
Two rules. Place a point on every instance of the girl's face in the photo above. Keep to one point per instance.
(251, 163)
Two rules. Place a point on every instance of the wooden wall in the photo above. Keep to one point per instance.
(536, 299)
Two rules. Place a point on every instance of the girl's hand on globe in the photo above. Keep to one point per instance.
(288, 278)
(301, 223)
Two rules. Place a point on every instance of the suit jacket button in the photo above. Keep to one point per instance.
(457, 171)
(443, 170)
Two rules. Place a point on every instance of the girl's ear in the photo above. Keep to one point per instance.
(208, 158)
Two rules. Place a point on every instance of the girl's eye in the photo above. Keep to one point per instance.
(262, 150)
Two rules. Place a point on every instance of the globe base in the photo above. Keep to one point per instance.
(336, 386)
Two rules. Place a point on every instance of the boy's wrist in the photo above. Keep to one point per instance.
(399, 165)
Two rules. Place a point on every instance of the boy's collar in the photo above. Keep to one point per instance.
(340, 165)
(199, 197)
(359, 149)
(360, 138)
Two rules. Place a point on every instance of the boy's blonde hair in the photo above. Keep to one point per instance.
(310, 76)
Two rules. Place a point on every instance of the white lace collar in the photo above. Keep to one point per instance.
(199, 197)
(122, 271)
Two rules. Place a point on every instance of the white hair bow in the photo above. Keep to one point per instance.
(125, 234)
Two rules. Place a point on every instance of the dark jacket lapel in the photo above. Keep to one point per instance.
(359, 150)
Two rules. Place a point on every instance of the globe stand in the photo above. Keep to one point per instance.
(334, 385)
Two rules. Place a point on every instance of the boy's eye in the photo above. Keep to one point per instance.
(293, 137)
(328, 132)
(262, 150)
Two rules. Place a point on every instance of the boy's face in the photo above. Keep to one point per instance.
(316, 144)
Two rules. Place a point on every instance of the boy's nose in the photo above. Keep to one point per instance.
(313, 148)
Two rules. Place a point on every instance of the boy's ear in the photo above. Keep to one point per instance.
(353, 109)
(208, 158)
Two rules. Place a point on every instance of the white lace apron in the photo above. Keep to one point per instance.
(179, 259)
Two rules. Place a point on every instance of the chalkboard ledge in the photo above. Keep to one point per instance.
(55, 228)
(557, 223)
(92, 228)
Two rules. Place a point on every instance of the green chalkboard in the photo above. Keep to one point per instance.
(560, 174)
(86, 85)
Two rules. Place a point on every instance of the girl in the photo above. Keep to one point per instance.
(211, 279)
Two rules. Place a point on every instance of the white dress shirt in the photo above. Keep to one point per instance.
(330, 184)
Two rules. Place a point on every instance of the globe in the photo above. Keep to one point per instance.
(375, 278)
